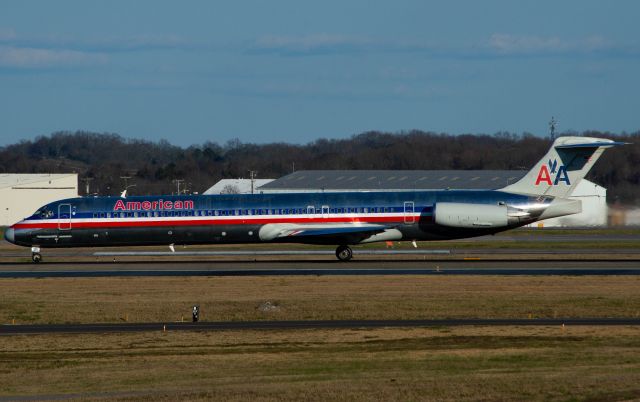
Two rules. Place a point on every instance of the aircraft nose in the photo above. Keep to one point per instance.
(10, 235)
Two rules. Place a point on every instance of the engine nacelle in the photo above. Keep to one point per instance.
(461, 215)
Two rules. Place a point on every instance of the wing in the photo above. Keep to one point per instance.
(329, 233)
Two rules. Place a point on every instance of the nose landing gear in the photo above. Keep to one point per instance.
(344, 253)
(35, 254)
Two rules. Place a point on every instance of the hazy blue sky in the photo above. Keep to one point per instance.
(263, 71)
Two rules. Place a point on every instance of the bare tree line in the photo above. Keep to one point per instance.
(154, 166)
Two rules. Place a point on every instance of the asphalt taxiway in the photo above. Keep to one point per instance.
(319, 324)
(318, 267)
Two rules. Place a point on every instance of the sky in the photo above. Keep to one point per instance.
(294, 71)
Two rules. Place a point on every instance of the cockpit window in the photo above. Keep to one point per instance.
(44, 213)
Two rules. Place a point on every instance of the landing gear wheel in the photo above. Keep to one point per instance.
(344, 253)
(36, 257)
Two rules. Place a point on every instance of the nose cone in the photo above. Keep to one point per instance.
(10, 235)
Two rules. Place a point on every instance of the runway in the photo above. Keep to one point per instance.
(633, 253)
(316, 268)
(320, 324)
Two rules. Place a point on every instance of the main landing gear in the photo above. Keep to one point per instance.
(344, 253)
(35, 254)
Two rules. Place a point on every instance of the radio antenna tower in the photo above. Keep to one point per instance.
(552, 128)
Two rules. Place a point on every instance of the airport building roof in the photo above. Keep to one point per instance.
(343, 180)
(41, 180)
(236, 186)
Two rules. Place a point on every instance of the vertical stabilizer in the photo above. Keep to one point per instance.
(562, 168)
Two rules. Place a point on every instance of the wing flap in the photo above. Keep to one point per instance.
(273, 231)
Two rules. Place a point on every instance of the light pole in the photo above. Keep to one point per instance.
(252, 177)
(177, 182)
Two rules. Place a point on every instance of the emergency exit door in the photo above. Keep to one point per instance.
(409, 209)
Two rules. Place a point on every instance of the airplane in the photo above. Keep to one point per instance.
(342, 219)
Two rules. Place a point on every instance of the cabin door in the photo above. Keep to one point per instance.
(409, 209)
(64, 217)
(325, 211)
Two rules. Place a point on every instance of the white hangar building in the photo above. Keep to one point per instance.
(593, 196)
(22, 194)
(237, 186)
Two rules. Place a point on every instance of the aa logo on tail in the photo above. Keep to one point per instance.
(552, 168)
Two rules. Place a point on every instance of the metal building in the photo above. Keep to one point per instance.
(593, 196)
(594, 208)
(22, 194)
(391, 180)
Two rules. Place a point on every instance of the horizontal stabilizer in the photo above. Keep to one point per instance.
(591, 145)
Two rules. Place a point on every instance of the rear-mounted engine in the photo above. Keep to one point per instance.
(463, 215)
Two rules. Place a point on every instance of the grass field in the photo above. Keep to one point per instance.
(445, 364)
(154, 299)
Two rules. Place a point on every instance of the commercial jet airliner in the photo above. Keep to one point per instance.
(342, 219)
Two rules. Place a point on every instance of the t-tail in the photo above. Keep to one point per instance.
(562, 168)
